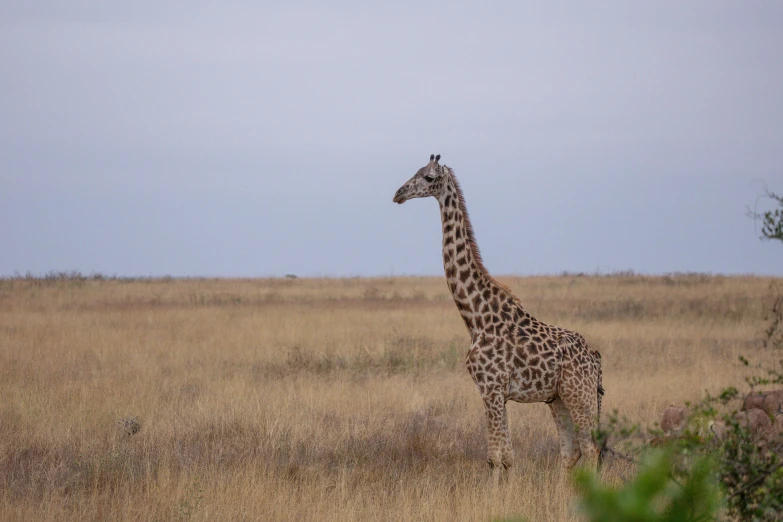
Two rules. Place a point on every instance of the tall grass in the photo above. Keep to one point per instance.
(323, 399)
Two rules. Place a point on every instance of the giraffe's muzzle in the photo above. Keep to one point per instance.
(399, 196)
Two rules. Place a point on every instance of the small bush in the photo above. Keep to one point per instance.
(654, 494)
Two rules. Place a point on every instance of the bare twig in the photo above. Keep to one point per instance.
(619, 455)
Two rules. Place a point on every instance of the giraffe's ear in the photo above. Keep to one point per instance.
(432, 157)
(437, 158)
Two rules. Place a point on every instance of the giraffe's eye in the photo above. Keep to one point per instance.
(428, 179)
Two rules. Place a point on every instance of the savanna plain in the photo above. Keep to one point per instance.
(323, 399)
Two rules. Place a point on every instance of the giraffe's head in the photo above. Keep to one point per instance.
(430, 180)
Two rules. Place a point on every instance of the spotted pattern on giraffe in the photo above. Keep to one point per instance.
(513, 356)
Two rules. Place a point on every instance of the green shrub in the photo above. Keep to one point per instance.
(654, 494)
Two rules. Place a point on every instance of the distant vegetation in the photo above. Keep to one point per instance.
(76, 276)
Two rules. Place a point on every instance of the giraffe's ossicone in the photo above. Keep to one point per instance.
(513, 356)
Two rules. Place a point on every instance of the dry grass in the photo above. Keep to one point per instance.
(336, 399)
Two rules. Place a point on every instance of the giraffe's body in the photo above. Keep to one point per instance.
(513, 356)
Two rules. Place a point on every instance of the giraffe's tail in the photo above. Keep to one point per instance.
(600, 394)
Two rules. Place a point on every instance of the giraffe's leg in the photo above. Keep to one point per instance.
(507, 455)
(499, 453)
(584, 412)
(569, 449)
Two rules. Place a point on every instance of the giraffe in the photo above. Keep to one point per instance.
(512, 356)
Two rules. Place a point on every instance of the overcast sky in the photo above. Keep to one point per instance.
(266, 138)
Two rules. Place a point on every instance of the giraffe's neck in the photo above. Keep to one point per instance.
(467, 278)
